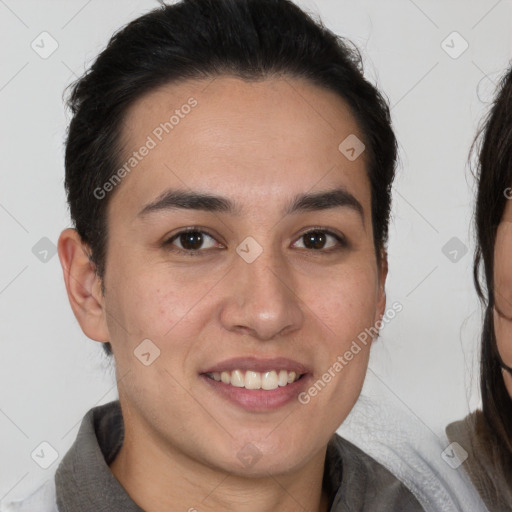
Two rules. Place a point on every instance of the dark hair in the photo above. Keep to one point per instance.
(494, 175)
(194, 39)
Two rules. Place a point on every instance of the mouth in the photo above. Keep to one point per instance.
(257, 385)
(251, 379)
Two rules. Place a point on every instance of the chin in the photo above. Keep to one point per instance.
(269, 455)
(261, 466)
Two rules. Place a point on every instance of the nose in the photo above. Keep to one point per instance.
(261, 300)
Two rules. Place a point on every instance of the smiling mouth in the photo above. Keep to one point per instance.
(249, 379)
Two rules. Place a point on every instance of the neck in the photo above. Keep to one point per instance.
(158, 480)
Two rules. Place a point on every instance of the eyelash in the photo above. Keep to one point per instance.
(168, 244)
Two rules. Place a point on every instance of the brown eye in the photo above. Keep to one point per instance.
(315, 240)
(321, 240)
(193, 240)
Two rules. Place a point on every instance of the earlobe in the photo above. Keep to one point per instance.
(82, 285)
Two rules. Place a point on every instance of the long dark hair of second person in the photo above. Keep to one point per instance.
(494, 175)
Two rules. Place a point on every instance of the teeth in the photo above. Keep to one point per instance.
(252, 380)
(269, 380)
(237, 378)
(283, 378)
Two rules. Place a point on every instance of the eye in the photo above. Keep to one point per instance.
(194, 241)
(191, 241)
(320, 239)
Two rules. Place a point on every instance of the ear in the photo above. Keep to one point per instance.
(83, 285)
(381, 291)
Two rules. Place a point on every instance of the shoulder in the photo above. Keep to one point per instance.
(354, 463)
(484, 460)
(368, 485)
(396, 438)
(42, 499)
(356, 481)
(464, 430)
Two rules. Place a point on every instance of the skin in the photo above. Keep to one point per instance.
(503, 292)
(258, 144)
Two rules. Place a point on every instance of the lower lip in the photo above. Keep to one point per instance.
(259, 400)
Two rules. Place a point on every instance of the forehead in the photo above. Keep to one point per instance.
(255, 140)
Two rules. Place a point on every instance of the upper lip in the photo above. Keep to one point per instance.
(259, 365)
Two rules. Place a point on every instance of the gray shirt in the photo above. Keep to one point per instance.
(84, 482)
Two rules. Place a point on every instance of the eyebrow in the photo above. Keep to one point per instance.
(182, 199)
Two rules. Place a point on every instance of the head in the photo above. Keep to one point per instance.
(492, 267)
(228, 171)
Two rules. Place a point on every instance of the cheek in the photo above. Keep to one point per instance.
(503, 290)
(503, 268)
(152, 302)
(503, 332)
(346, 301)
(344, 310)
(508, 383)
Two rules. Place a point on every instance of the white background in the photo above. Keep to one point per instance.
(426, 358)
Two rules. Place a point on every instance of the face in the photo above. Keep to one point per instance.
(275, 278)
(503, 292)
